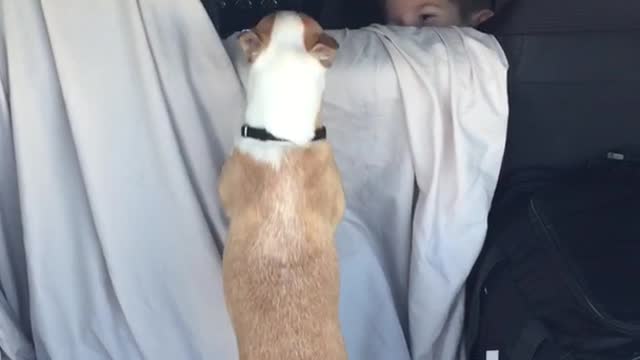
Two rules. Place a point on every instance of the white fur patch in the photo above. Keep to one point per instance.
(284, 91)
(270, 152)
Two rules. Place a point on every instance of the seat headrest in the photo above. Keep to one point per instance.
(230, 16)
(544, 16)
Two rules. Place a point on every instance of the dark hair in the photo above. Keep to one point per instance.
(468, 7)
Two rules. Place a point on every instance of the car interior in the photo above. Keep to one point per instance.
(569, 176)
(558, 271)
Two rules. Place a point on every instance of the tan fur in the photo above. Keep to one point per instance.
(318, 42)
(280, 265)
(281, 278)
(312, 32)
(257, 39)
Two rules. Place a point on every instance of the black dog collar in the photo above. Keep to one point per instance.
(264, 135)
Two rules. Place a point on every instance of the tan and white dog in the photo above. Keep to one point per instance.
(283, 195)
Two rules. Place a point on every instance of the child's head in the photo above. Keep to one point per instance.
(437, 12)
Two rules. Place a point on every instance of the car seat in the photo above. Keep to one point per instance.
(574, 93)
(574, 79)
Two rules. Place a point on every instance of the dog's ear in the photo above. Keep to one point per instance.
(325, 49)
(251, 44)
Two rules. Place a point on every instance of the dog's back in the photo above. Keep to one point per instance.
(282, 193)
(281, 267)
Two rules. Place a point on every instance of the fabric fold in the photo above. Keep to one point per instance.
(115, 119)
(118, 114)
(453, 88)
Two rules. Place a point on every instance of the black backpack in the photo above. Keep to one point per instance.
(559, 277)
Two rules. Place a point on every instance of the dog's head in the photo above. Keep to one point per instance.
(288, 55)
(288, 31)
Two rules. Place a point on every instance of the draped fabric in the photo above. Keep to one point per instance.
(112, 121)
(115, 118)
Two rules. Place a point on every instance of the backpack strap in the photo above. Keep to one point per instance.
(531, 338)
(490, 259)
(509, 204)
(535, 343)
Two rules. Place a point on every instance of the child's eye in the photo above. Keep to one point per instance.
(427, 19)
